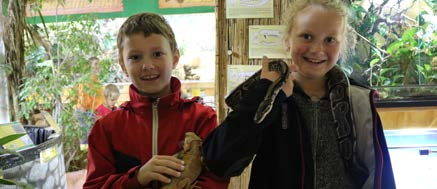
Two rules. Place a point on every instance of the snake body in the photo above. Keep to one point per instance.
(234, 98)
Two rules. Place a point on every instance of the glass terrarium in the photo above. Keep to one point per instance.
(396, 48)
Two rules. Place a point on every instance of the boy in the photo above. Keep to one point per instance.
(133, 147)
(111, 93)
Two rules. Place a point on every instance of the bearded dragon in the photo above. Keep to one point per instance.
(191, 155)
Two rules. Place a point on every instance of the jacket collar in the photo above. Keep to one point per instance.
(137, 100)
(335, 78)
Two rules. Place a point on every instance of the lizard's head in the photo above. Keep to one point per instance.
(192, 141)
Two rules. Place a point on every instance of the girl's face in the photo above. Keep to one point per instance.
(148, 61)
(315, 41)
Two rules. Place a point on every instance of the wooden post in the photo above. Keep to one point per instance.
(233, 49)
(221, 59)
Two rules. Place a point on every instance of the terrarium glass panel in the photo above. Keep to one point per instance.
(396, 47)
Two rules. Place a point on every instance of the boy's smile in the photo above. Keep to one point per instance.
(315, 41)
(148, 61)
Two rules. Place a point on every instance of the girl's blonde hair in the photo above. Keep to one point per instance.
(338, 6)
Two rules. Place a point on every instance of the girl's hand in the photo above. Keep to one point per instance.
(159, 168)
(289, 84)
(266, 73)
(273, 75)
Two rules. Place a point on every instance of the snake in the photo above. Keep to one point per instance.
(234, 98)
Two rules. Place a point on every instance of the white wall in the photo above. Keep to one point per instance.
(4, 105)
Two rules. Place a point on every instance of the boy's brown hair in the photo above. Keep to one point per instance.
(146, 23)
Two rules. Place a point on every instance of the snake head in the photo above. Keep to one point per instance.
(266, 105)
(279, 66)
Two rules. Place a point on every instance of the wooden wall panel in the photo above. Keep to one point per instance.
(232, 49)
(409, 117)
(233, 42)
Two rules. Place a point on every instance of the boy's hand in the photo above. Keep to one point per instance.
(273, 75)
(158, 168)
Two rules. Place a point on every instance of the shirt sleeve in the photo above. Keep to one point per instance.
(230, 148)
(101, 161)
(207, 122)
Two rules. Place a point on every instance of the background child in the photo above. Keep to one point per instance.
(90, 95)
(323, 131)
(133, 147)
(111, 93)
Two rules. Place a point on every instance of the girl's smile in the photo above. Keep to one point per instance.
(315, 41)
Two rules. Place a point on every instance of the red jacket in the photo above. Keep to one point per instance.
(121, 142)
(102, 111)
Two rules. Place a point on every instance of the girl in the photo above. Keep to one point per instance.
(323, 131)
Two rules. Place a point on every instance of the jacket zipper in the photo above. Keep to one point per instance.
(155, 127)
(302, 155)
(315, 138)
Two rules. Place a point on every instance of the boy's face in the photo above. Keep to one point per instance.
(148, 61)
(315, 40)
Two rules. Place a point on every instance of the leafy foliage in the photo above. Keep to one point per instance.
(8, 139)
(54, 74)
(393, 49)
(3, 141)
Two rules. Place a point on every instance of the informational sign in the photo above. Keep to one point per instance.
(267, 40)
(249, 8)
(48, 154)
(185, 3)
(239, 73)
(52, 7)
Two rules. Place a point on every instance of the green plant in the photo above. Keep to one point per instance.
(393, 49)
(54, 73)
(3, 141)
(410, 60)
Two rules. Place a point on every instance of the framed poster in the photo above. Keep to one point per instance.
(267, 40)
(52, 7)
(237, 74)
(249, 8)
(185, 3)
